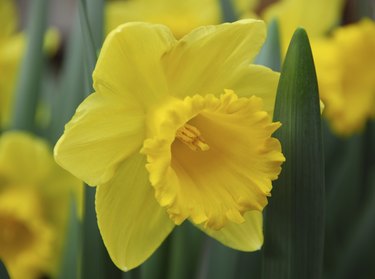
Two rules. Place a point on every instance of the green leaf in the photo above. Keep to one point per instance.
(133, 274)
(228, 13)
(29, 81)
(294, 218)
(270, 54)
(185, 249)
(70, 258)
(91, 18)
(344, 174)
(218, 261)
(156, 267)
(3, 271)
(71, 90)
(249, 265)
(354, 259)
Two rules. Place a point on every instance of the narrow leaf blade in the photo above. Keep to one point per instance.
(90, 39)
(71, 90)
(70, 257)
(294, 223)
(29, 82)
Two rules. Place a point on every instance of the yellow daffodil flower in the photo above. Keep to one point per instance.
(180, 16)
(34, 201)
(317, 17)
(345, 66)
(177, 130)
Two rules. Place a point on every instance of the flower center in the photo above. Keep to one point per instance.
(191, 137)
(15, 236)
(23, 230)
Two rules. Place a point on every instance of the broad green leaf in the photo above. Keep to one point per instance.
(294, 219)
(29, 81)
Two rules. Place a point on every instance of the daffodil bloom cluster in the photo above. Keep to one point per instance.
(34, 201)
(345, 65)
(177, 130)
(180, 16)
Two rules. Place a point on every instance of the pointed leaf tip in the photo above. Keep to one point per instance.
(294, 221)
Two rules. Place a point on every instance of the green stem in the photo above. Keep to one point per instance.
(29, 82)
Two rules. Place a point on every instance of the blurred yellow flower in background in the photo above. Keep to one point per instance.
(318, 17)
(26, 240)
(165, 142)
(180, 16)
(345, 64)
(34, 203)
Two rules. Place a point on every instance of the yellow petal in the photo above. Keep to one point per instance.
(24, 159)
(247, 236)
(130, 65)
(259, 81)
(104, 131)
(180, 16)
(208, 58)
(130, 220)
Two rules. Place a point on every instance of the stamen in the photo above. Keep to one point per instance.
(190, 136)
